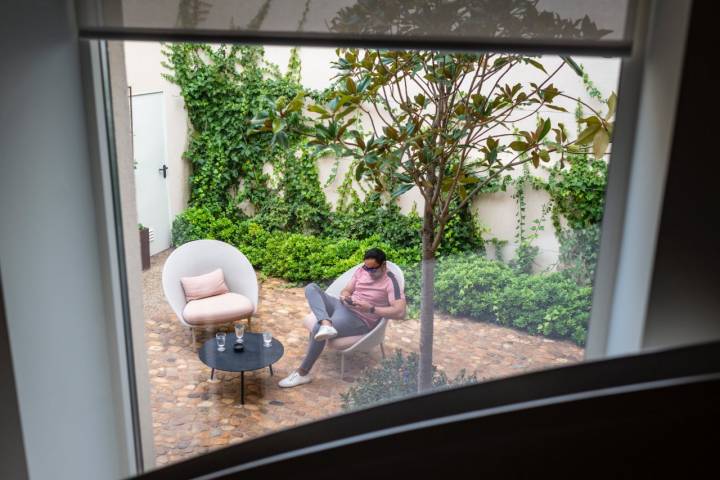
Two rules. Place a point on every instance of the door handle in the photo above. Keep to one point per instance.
(163, 170)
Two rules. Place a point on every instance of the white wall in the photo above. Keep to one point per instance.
(495, 211)
(51, 267)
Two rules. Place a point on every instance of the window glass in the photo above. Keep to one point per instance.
(565, 23)
(298, 164)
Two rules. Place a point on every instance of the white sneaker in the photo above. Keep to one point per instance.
(325, 332)
(294, 379)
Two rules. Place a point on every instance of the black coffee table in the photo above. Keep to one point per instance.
(254, 357)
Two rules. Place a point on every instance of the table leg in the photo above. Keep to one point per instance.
(212, 374)
(242, 388)
(270, 367)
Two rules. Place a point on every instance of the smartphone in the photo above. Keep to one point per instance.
(349, 301)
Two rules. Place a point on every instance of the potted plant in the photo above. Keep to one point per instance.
(144, 246)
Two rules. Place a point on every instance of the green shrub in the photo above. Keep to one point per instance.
(464, 285)
(195, 223)
(395, 378)
(292, 256)
(549, 304)
(462, 233)
(579, 252)
(546, 304)
(370, 217)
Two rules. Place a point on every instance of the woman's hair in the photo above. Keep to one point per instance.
(376, 254)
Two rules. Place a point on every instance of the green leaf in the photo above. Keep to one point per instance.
(556, 107)
(612, 105)
(363, 83)
(600, 143)
(359, 171)
(345, 112)
(350, 85)
(535, 64)
(296, 104)
(401, 189)
(371, 159)
(318, 109)
(359, 139)
(587, 135)
(391, 133)
(544, 129)
(535, 159)
(519, 146)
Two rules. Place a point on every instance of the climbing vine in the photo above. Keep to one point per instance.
(224, 88)
(578, 196)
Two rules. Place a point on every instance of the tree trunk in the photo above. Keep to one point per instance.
(425, 367)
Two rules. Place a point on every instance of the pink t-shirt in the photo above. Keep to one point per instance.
(378, 292)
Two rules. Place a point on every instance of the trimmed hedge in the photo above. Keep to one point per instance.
(549, 304)
(292, 256)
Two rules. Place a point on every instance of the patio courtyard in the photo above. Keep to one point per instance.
(192, 416)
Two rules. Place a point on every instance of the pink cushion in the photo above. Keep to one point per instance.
(218, 309)
(337, 343)
(204, 286)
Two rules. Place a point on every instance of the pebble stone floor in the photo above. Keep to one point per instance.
(192, 416)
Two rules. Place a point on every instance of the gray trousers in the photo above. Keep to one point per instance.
(343, 319)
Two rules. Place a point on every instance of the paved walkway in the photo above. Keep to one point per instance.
(192, 416)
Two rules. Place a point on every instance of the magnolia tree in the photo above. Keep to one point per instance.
(447, 124)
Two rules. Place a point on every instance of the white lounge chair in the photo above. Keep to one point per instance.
(200, 257)
(358, 343)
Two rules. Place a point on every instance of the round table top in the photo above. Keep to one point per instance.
(254, 357)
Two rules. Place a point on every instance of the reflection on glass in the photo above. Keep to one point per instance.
(477, 19)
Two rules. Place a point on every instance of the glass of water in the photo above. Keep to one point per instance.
(267, 339)
(220, 339)
(239, 332)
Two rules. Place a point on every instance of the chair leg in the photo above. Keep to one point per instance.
(342, 366)
(249, 319)
(382, 350)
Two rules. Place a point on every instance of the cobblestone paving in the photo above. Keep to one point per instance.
(192, 416)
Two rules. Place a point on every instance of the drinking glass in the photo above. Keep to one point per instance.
(239, 332)
(267, 339)
(220, 339)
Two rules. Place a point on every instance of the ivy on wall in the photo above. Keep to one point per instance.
(578, 196)
(224, 88)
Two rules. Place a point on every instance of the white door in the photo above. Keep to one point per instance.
(151, 191)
